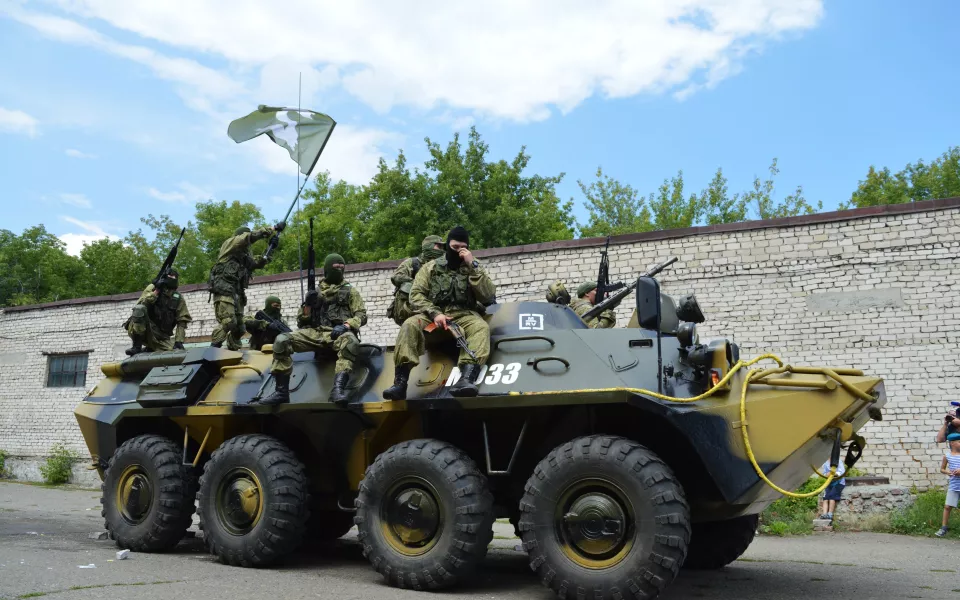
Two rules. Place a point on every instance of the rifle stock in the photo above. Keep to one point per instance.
(616, 297)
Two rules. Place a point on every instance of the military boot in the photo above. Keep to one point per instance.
(398, 391)
(216, 344)
(339, 395)
(280, 395)
(136, 348)
(466, 386)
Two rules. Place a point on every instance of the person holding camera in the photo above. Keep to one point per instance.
(951, 424)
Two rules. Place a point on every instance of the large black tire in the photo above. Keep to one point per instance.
(717, 544)
(433, 494)
(328, 525)
(147, 495)
(603, 517)
(253, 501)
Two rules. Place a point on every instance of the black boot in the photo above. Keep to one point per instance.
(338, 395)
(280, 395)
(136, 348)
(216, 344)
(398, 391)
(466, 387)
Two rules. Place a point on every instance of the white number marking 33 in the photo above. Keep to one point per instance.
(490, 374)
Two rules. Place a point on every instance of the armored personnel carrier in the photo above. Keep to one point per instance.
(620, 455)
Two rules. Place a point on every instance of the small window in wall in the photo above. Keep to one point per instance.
(67, 370)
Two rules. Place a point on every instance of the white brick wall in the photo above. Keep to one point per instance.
(758, 287)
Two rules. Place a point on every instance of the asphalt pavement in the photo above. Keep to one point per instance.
(45, 550)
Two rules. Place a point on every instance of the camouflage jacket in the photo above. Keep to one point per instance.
(400, 309)
(604, 320)
(235, 264)
(259, 334)
(437, 289)
(339, 303)
(167, 310)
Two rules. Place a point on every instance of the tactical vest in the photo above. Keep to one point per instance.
(232, 275)
(399, 309)
(333, 309)
(450, 289)
(163, 312)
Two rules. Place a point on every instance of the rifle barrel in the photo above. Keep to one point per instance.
(622, 293)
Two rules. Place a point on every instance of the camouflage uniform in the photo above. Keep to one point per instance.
(260, 332)
(155, 317)
(228, 280)
(460, 295)
(402, 279)
(340, 303)
(604, 320)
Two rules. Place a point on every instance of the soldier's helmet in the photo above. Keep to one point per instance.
(557, 293)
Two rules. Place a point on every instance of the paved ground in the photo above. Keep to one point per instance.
(44, 540)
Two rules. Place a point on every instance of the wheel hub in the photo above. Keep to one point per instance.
(134, 495)
(240, 501)
(412, 517)
(595, 523)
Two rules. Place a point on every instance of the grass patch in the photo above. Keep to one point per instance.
(59, 465)
(791, 516)
(3, 463)
(924, 516)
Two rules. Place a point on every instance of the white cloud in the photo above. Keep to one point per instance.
(498, 59)
(73, 153)
(78, 200)
(17, 121)
(76, 241)
(186, 192)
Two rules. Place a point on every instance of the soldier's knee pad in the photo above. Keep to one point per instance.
(139, 313)
(282, 345)
(350, 346)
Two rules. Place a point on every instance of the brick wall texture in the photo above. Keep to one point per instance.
(872, 289)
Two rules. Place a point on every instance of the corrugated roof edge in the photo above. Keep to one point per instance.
(628, 238)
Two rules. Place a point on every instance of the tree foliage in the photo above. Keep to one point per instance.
(915, 182)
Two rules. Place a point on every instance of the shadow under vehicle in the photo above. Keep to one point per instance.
(619, 454)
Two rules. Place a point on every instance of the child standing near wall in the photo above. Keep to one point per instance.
(951, 466)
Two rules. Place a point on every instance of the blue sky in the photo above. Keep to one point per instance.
(113, 109)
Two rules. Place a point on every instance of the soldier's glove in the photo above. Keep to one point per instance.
(280, 226)
(338, 331)
(178, 346)
(273, 327)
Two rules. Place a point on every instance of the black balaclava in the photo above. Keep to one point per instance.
(459, 234)
(169, 283)
(331, 275)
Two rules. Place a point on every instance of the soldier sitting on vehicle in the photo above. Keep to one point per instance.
(399, 310)
(586, 299)
(158, 311)
(452, 289)
(329, 318)
(557, 293)
(263, 332)
(229, 278)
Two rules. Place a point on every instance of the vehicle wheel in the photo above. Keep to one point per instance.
(148, 495)
(328, 525)
(425, 515)
(604, 517)
(253, 501)
(717, 544)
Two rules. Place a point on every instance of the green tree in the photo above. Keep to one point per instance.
(116, 267)
(718, 206)
(35, 267)
(614, 208)
(671, 209)
(762, 201)
(914, 183)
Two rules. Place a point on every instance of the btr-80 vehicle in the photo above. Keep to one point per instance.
(620, 455)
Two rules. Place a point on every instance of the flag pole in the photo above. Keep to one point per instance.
(299, 188)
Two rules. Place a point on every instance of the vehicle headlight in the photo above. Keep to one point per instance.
(687, 335)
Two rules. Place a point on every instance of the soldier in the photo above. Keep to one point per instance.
(331, 318)
(586, 298)
(399, 310)
(453, 288)
(229, 278)
(156, 314)
(558, 294)
(263, 332)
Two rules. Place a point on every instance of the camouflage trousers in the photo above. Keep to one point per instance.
(230, 326)
(140, 327)
(347, 347)
(412, 338)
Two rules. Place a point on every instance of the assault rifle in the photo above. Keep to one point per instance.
(604, 286)
(276, 324)
(458, 336)
(312, 300)
(167, 265)
(624, 290)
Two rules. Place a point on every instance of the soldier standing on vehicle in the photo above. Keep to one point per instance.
(229, 278)
(586, 298)
(263, 332)
(157, 313)
(430, 249)
(330, 317)
(453, 288)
